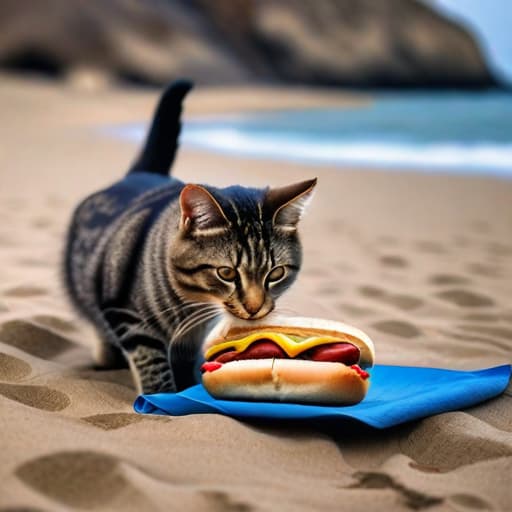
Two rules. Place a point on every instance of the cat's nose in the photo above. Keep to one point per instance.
(253, 307)
(254, 300)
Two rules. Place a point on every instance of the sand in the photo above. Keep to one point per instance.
(422, 262)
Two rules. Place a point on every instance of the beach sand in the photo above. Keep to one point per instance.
(422, 262)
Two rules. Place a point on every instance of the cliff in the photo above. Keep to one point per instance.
(355, 43)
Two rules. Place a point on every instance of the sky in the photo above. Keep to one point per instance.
(491, 22)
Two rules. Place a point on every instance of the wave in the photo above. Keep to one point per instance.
(475, 158)
(488, 157)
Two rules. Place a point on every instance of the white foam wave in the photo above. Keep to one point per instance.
(488, 157)
(482, 156)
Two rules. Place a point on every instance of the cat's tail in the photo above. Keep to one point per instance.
(161, 144)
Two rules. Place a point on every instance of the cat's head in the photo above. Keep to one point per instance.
(238, 247)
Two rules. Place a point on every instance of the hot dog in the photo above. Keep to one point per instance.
(291, 359)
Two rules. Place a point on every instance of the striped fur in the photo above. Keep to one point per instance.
(143, 257)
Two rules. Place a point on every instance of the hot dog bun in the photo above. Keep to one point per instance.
(287, 380)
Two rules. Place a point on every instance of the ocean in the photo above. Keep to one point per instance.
(468, 133)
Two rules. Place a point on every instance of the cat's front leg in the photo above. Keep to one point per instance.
(147, 357)
(145, 351)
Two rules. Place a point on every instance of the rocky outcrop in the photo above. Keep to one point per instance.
(145, 42)
(355, 43)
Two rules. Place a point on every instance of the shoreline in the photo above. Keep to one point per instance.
(399, 131)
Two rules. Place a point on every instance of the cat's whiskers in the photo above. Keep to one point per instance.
(129, 312)
(195, 319)
(211, 308)
(184, 348)
(280, 309)
(150, 321)
(181, 344)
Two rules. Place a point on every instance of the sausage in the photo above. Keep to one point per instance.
(345, 353)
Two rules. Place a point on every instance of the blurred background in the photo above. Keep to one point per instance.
(347, 43)
(438, 71)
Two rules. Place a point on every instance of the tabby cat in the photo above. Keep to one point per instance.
(152, 261)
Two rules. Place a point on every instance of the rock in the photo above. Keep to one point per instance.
(146, 42)
(355, 43)
(360, 43)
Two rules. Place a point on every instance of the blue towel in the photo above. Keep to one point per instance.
(397, 394)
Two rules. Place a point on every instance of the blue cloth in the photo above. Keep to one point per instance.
(397, 394)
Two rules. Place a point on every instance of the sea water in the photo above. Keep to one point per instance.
(445, 132)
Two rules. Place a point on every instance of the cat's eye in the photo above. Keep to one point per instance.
(276, 274)
(226, 273)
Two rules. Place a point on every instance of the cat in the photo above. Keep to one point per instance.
(152, 261)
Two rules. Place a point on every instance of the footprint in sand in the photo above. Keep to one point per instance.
(329, 289)
(12, 368)
(393, 261)
(77, 479)
(412, 498)
(398, 328)
(222, 501)
(470, 502)
(423, 468)
(465, 298)
(54, 322)
(113, 421)
(498, 249)
(355, 310)
(401, 301)
(485, 270)
(40, 397)
(448, 279)
(373, 292)
(34, 339)
(24, 291)
(405, 302)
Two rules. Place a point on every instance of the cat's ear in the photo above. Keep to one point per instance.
(287, 204)
(200, 210)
